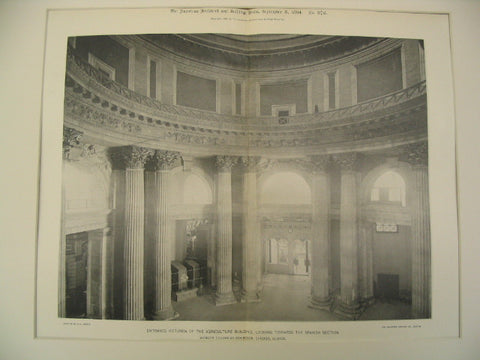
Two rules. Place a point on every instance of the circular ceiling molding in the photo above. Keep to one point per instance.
(266, 52)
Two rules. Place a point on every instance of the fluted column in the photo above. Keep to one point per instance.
(321, 297)
(421, 260)
(149, 244)
(164, 162)
(224, 294)
(348, 305)
(71, 138)
(366, 265)
(251, 245)
(134, 159)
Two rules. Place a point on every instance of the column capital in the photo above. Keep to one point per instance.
(225, 163)
(347, 161)
(320, 163)
(416, 154)
(162, 160)
(71, 138)
(249, 163)
(130, 157)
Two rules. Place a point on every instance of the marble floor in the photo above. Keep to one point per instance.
(284, 298)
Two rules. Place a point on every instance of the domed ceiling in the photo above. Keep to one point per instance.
(259, 52)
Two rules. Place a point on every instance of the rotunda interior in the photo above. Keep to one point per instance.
(234, 177)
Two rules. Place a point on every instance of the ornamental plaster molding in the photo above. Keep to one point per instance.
(416, 154)
(97, 117)
(129, 157)
(225, 163)
(71, 138)
(320, 163)
(361, 54)
(163, 160)
(347, 161)
(249, 163)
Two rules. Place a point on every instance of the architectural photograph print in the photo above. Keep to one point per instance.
(238, 186)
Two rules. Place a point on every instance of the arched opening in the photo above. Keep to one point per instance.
(285, 197)
(391, 239)
(389, 188)
(286, 187)
(196, 190)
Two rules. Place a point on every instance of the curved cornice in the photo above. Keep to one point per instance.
(239, 55)
(366, 53)
(283, 68)
(119, 116)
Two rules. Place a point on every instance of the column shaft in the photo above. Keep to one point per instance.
(133, 253)
(348, 305)
(163, 281)
(366, 256)
(149, 245)
(62, 280)
(96, 279)
(250, 241)
(118, 227)
(320, 241)
(224, 294)
(369, 250)
(421, 292)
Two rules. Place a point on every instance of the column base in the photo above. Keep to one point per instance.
(348, 311)
(165, 314)
(250, 296)
(137, 317)
(225, 299)
(321, 303)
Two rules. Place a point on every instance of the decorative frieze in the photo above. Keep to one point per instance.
(225, 163)
(249, 163)
(287, 225)
(320, 163)
(347, 161)
(101, 118)
(176, 130)
(416, 154)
